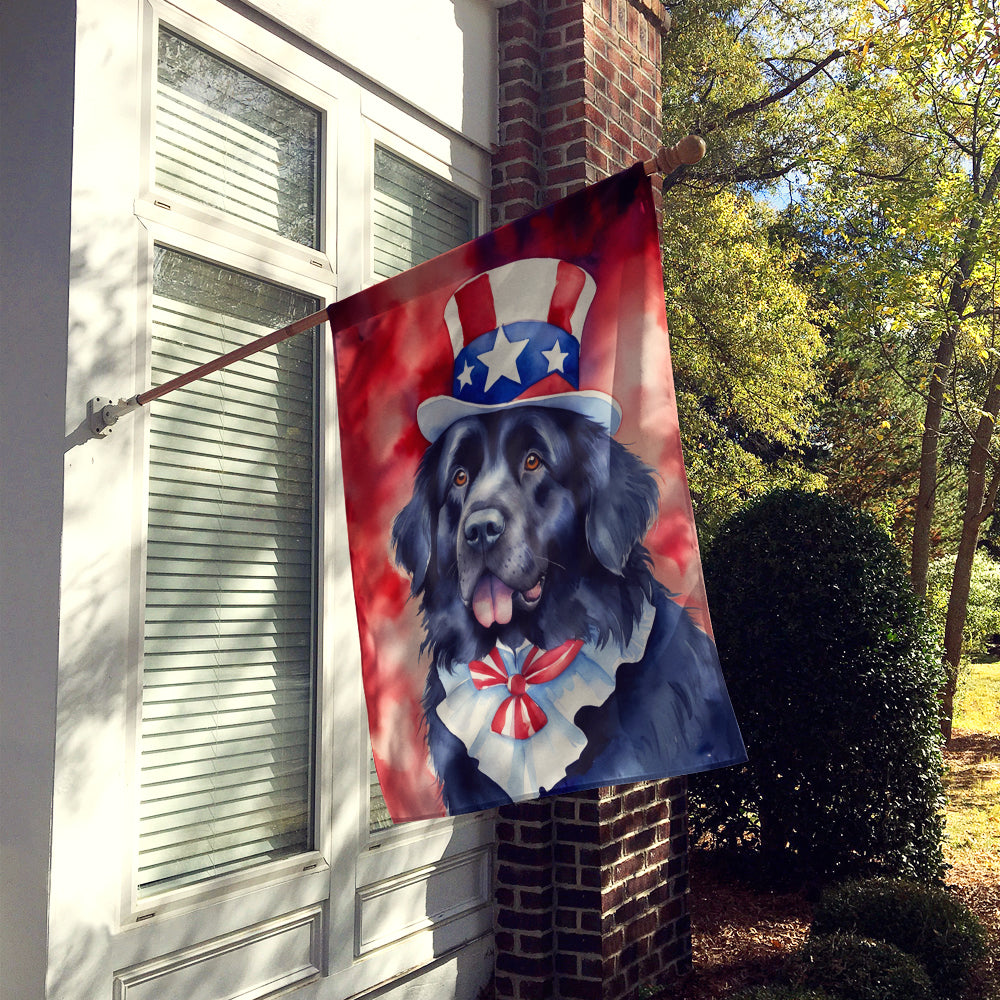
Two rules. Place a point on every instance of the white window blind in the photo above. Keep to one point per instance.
(228, 661)
(228, 140)
(416, 216)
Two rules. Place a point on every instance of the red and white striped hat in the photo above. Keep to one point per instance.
(516, 334)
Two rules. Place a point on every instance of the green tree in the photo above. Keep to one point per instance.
(910, 182)
(880, 122)
(748, 358)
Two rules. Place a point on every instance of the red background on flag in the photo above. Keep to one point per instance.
(393, 351)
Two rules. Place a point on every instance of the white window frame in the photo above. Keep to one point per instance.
(180, 224)
(351, 876)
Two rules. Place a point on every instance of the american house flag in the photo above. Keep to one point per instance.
(529, 594)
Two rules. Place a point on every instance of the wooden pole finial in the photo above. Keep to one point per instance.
(688, 151)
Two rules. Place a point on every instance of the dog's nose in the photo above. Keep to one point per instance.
(484, 527)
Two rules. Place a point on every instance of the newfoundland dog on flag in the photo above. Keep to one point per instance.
(556, 660)
(524, 564)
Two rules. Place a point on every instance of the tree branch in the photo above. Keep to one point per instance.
(754, 106)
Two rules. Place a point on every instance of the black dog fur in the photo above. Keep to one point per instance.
(550, 511)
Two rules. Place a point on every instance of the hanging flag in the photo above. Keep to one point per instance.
(529, 593)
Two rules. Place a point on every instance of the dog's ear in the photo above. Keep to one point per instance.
(624, 499)
(411, 533)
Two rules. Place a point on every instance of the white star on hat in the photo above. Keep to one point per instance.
(501, 359)
(465, 378)
(555, 357)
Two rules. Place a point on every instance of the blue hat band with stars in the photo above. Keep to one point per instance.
(500, 365)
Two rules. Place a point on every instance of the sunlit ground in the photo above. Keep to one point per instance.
(973, 814)
(974, 769)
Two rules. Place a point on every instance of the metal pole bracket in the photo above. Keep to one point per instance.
(103, 413)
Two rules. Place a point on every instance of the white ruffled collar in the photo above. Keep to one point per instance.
(524, 767)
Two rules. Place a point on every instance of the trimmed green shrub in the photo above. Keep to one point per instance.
(856, 968)
(926, 922)
(782, 993)
(834, 673)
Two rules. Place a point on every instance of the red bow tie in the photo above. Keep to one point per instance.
(519, 716)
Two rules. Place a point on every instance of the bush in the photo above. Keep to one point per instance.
(782, 993)
(982, 620)
(856, 968)
(927, 923)
(833, 672)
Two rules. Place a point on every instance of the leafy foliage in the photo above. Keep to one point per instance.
(746, 354)
(747, 76)
(833, 672)
(926, 922)
(780, 992)
(983, 614)
(748, 358)
(856, 968)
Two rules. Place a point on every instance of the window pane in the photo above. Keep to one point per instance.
(228, 658)
(228, 140)
(416, 216)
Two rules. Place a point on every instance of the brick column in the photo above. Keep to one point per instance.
(591, 889)
(579, 96)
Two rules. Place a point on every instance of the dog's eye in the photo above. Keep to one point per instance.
(460, 478)
(532, 462)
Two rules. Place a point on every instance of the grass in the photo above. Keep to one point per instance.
(972, 848)
(742, 935)
(978, 698)
(973, 783)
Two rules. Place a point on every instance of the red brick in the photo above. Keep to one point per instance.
(580, 898)
(643, 926)
(552, 78)
(535, 989)
(533, 856)
(639, 839)
(613, 896)
(628, 910)
(567, 964)
(578, 942)
(574, 128)
(642, 882)
(504, 896)
(514, 875)
(520, 130)
(610, 873)
(521, 94)
(658, 854)
(518, 49)
(536, 944)
(503, 987)
(536, 921)
(538, 966)
(574, 988)
(519, 149)
(677, 866)
(529, 899)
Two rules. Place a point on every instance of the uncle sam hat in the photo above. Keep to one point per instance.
(516, 333)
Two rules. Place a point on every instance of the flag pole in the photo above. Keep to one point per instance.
(687, 152)
(103, 413)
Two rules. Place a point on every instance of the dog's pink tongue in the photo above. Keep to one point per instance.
(492, 601)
